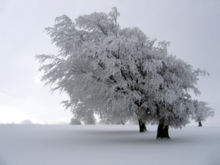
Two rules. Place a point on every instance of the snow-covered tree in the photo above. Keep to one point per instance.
(74, 121)
(87, 58)
(174, 103)
(118, 73)
(202, 111)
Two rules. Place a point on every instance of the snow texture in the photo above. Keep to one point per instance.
(98, 145)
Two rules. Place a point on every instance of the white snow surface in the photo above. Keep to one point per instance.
(106, 145)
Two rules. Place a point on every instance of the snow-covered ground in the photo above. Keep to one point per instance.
(106, 145)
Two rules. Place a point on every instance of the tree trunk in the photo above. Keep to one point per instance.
(200, 124)
(162, 130)
(142, 126)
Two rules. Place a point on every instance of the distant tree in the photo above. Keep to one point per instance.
(118, 73)
(202, 111)
(75, 121)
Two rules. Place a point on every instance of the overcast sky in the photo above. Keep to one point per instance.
(191, 26)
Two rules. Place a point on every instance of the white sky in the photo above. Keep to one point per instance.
(192, 27)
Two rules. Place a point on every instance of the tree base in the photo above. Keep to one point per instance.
(163, 131)
(142, 126)
(200, 124)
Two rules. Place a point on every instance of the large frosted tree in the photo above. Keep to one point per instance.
(118, 73)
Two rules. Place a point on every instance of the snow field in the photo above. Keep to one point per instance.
(106, 145)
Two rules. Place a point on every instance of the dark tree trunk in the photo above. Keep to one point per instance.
(200, 124)
(162, 130)
(142, 126)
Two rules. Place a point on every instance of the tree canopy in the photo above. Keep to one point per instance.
(118, 73)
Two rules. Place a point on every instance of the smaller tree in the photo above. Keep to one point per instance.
(85, 115)
(202, 111)
(74, 121)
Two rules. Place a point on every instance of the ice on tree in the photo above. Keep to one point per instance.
(119, 74)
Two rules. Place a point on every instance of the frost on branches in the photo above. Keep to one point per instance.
(119, 74)
(202, 111)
